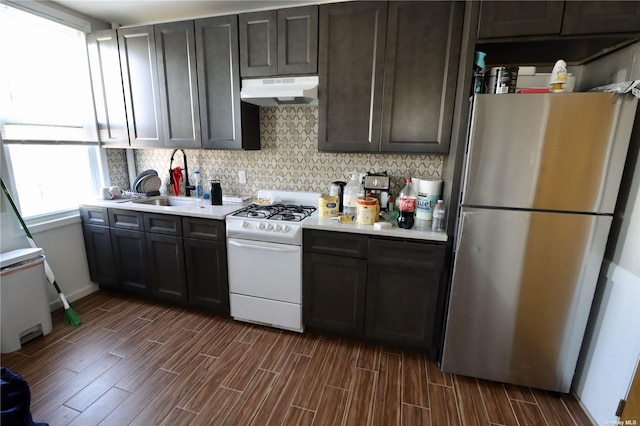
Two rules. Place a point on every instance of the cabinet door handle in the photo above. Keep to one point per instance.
(251, 246)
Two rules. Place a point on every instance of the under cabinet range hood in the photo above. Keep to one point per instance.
(280, 91)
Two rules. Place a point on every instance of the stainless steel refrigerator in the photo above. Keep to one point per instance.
(541, 180)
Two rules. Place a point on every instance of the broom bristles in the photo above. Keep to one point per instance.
(71, 317)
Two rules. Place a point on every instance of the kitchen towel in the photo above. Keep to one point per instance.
(177, 177)
(429, 191)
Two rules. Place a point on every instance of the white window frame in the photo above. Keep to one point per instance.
(97, 156)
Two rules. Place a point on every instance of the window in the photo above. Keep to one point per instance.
(53, 178)
(47, 118)
(45, 92)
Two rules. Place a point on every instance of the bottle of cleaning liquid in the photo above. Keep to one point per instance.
(479, 69)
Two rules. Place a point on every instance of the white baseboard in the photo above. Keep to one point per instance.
(78, 294)
(584, 409)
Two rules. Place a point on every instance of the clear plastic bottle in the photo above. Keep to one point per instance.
(437, 218)
(196, 183)
(407, 203)
(352, 191)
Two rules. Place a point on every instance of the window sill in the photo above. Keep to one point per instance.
(54, 221)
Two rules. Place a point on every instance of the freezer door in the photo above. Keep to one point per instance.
(522, 289)
(561, 152)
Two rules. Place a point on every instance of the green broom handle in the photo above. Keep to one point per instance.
(24, 225)
(15, 209)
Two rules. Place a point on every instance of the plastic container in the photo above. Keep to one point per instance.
(368, 211)
(329, 205)
(196, 183)
(437, 220)
(352, 191)
(216, 193)
(506, 80)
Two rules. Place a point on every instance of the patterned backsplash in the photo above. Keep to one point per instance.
(288, 159)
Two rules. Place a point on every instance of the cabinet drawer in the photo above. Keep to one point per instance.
(163, 224)
(335, 243)
(204, 229)
(126, 219)
(406, 254)
(94, 216)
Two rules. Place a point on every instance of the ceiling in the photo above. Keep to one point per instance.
(140, 12)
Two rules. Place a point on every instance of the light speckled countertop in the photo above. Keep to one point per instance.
(204, 209)
(420, 231)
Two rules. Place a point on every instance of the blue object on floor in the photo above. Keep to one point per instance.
(16, 400)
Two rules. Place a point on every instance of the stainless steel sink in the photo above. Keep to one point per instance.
(166, 201)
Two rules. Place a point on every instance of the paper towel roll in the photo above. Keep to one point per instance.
(429, 192)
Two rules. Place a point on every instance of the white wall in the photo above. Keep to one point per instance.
(63, 247)
(611, 349)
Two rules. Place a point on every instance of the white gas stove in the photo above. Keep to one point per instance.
(264, 252)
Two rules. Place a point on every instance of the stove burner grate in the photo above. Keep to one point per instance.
(289, 212)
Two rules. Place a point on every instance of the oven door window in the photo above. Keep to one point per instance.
(268, 270)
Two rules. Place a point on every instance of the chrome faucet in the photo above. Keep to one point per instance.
(187, 187)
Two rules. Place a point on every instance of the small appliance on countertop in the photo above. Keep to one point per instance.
(378, 185)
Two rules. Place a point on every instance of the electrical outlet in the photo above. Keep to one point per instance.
(242, 177)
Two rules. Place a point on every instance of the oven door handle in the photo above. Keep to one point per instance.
(283, 249)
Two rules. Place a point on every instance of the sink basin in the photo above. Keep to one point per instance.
(166, 201)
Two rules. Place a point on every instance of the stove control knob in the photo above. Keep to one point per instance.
(269, 227)
(286, 228)
(277, 228)
(261, 226)
(245, 224)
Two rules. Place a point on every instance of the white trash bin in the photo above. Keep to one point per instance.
(23, 298)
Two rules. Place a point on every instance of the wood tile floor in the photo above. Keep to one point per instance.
(133, 362)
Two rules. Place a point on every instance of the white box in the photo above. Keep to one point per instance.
(540, 80)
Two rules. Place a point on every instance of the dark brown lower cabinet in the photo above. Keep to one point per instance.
(181, 260)
(401, 304)
(166, 267)
(333, 293)
(97, 243)
(131, 260)
(206, 265)
(389, 293)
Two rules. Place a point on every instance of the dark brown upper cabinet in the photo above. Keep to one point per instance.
(279, 42)
(598, 17)
(177, 81)
(540, 18)
(409, 48)
(226, 122)
(102, 47)
(519, 18)
(421, 67)
(138, 64)
(350, 70)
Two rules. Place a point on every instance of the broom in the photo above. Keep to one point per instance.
(70, 316)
